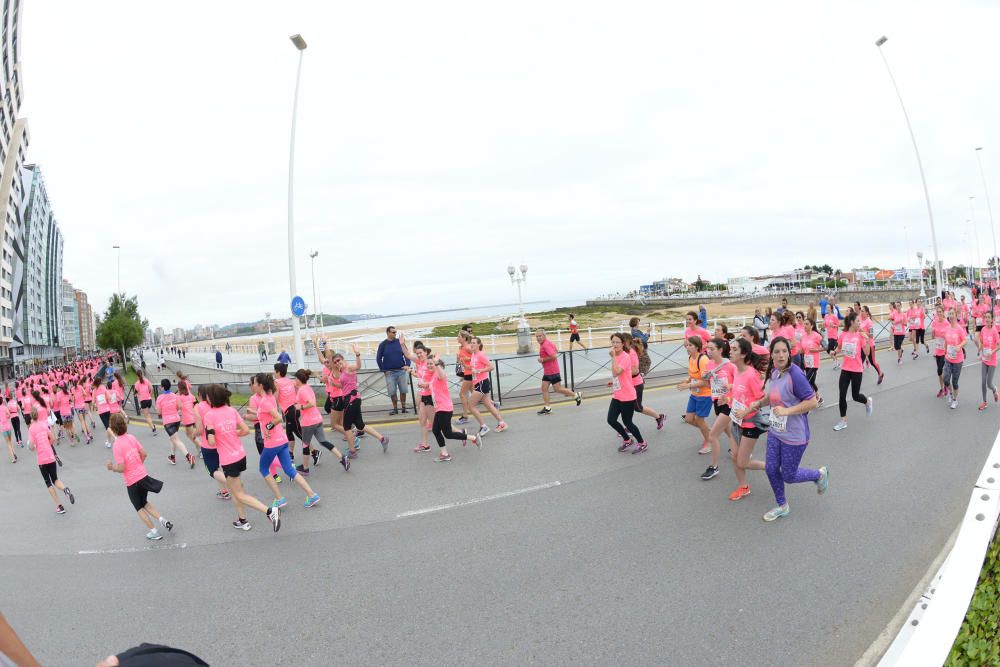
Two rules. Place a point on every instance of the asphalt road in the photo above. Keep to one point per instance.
(545, 547)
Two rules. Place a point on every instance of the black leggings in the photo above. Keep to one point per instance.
(939, 360)
(442, 429)
(852, 379)
(292, 429)
(624, 409)
(16, 423)
(811, 377)
(918, 336)
(871, 359)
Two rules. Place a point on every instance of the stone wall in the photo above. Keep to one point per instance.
(798, 299)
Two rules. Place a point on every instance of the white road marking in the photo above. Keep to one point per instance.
(476, 501)
(132, 550)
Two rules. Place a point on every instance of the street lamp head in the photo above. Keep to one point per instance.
(979, 148)
(116, 247)
(299, 43)
(510, 271)
(524, 269)
(313, 254)
(881, 40)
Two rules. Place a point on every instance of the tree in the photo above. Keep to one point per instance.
(700, 285)
(121, 327)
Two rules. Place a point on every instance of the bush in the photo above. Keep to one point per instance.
(978, 642)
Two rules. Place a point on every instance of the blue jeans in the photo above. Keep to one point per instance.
(395, 382)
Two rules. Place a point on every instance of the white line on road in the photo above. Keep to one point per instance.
(475, 501)
(132, 550)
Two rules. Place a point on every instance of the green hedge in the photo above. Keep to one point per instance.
(978, 642)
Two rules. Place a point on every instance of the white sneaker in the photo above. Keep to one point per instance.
(107, 444)
(840, 426)
(154, 535)
(870, 406)
(483, 430)
(954, 404)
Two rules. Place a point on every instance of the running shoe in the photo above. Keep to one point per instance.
(190, 459)
(403, 410)
(60, 509)
(940, 393)
(982, 406)
(996, 396)
(477, 440)
(501, 427)
(280, 502)
(710, 472)
(870, 406)
(913, 354)
(394, 411)
(443, 458)
(315, 454)
(899, 361)
(352, 453)
(625, 445)
(579, 397)
(705, 448)
(172, 459)
(274, 516)
(359, 434)
(200, 455)
(840, 426)
(242, 524)
(881, 376)
(14, 460)
(345, 462)
(462, 420)
(954, 404)
(385, 443)
(166, 524)
(69, 494)
(740, 493)
(277, 478)
(422, 448)
(154, 535)
(302, 471)
(776, 513)
(659, 422)
(312, 500)
(544, 411)
(640, 448)
(484, 429)
(823, 483)
(222, 494)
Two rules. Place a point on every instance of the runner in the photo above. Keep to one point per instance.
(209, 454)
(865, 324)
(224, 428)
(919, 321)
(352, 403)
(641, 365)
(699, 403)
(443, 410)
(144, 390)
(851, 343)
(186, 401)
(574, 334)
(796, 341)
(131, 459)
(898, 319)
(464, 370)
(275, 440)
(693, 328)
(331, 380)
(745, 398)
(286, 402)
(811, 344)
(623, 396)
(168, 407)
(425, 403)
(939, 326)
(791, 398)
(720, 372)
(749, 334)
(987, 339)
(482, 387)
(258, 436)
(722, 331)
(310, 421)
(80, 409)
(40, 440)
(15, 418)
(955, 337)
(64, 407)
(548, 357)
(7, 429)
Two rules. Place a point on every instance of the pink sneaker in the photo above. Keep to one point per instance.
(501, 427)
(705, 448)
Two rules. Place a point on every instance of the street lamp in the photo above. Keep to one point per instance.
(989, 210)
(920, 269)
(300, 44)
(523, 332)
(312, 268)
(975, 230)
(119, 249)
(927, 196)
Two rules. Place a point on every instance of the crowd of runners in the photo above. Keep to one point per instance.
(738, 391)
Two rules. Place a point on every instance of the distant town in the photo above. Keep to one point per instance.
(160, 336)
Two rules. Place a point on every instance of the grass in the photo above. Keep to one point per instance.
(978, 641)
(586, 316)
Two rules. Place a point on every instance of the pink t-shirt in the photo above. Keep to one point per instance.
(787, 332)
(276, 437)
(441, 392)
(64, 405)
(167, 406)
(224, 421)
(102, 400)
(38, 435)
(42, 412)
(12, 407)
(332, 383)
(201, 409)
(747, 388)
(114, 400)
(812, 343)
(548, 349)
(187, 408)
(851, 344)
(5, 424)
(423, 375)
(954, 336)
(898, 323)
(79, 401)
(624, 390)
(914, 318)
(144, 389)
(720, 378)
(938, 329)
(634, 358)
(480, 362)
(832, 323)
(989, 336)
(286, 393)
(348, 382)
(700, 332)
(309, 416)
(126, 451)
(253, 404)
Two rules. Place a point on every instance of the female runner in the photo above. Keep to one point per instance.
(987, 339)
(851, 343)
(719, 372)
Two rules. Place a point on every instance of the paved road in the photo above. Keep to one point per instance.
(627, 560)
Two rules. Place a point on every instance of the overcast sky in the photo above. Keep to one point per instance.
(438, 142)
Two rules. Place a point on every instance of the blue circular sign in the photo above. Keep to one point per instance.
(298, 306)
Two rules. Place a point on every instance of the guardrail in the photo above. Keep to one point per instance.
(930, 630)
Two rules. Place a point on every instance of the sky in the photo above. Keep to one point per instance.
(438, 142)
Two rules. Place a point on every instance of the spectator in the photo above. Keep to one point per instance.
(760, 324)
(393, 364)
(703, 316)
(782, 308)
(284, 358)
(218, 358)
(262, 350)
(822, 306)
(636, 332)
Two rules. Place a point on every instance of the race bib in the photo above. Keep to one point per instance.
(850, 350)
(810, 361)
(732, 413)
(616, 385)
(988, 352)
(938, 345)
(779, 424)
(718, 387)
(798, 335)
(101, 399)
(979, 321)
(952, 351)
(913, 323)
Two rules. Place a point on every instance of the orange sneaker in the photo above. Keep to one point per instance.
(740, 492)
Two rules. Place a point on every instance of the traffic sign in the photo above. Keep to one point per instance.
(298, 306)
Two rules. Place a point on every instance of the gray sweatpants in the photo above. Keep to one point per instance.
(987, 375)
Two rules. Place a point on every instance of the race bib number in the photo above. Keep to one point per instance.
(732, 413)
(850, 350)
(616, 384)
(938, 345)
(913, 323)
(810, 361)
(952, 351)
(979, 321)
(101, 399)
(988, 352)
(779, 424)
(718, 387)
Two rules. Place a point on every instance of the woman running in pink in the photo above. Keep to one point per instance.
(987, 340)
(168, 407)
(424, 374)
(692, 328)
(7, 429)
(897, 318)
(144, 390)
(286, 402)
(720, 373)
(812, 346)
(310, 420)
(131, 457)
(623, 396)
(15, 416)
(482, 387)
(443, 410)
(64, 406)
(224, 428)
(102, 401)
(851, 344)
(352, 402)
(186, 401)
(939, 325)
(333, 393)
(40, 440)
(209, 454)
(955, 337)
(745, 399)
(253, 403)
(80, 410)
(865, 325)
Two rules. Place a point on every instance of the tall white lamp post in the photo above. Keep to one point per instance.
(300, 44)
(523, 332)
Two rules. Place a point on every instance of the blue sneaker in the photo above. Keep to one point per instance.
(312, 500)
(776, 513)
(280, 502)
(824, 480)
